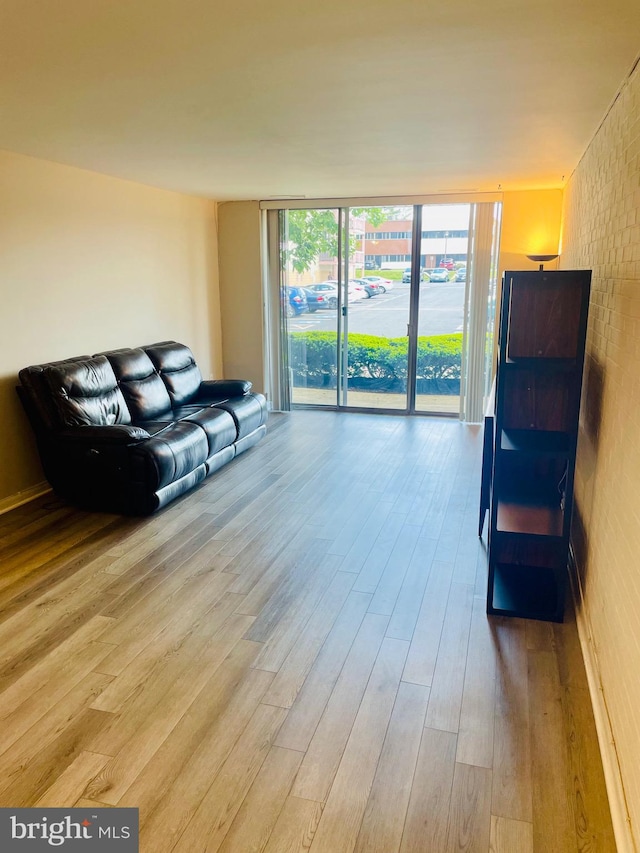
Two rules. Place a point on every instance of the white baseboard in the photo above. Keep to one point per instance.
(613, 778)
(24, 496)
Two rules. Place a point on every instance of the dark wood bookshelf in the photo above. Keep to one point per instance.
(530, 441)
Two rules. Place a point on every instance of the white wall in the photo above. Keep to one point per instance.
(89, 263)
(601, 232)
(241, 291)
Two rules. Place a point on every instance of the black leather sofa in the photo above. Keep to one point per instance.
(130, 430)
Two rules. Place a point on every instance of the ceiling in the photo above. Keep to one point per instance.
(237, 99)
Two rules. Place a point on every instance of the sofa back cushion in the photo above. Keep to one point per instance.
(142, 387)
(178, 370)
(86, 392)
(36, 396)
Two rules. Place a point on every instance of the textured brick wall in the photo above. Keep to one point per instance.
(601, 231)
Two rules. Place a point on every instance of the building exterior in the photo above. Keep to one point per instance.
(445, 234)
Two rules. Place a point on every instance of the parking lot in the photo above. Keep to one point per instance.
(441, 312)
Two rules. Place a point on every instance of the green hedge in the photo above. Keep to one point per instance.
(313, 356)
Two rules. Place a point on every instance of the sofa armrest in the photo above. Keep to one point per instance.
(219, 389)
(118, 434)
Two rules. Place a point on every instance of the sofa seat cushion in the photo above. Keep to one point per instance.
(249, 412)
(218, 425)
(179, 413)
(155, 426)
(170, 454)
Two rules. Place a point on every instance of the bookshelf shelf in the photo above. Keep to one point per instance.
(535, 441)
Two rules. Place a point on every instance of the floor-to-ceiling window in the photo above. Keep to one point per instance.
(387, 307)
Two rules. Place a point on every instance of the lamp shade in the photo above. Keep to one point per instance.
(540, 259)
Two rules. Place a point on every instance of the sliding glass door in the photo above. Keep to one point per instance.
(388, 308)
(345, 319)
(375, 333)
(311, 302)
(444, 250)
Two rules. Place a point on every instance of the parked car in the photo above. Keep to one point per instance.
(357, 290)
(383, 283)
(329, 292)
(296, 301)
(406, 275)
(371, 287)
(371, 265)
(439, 274)
(330, 287)
(447, 263)
(461, 274)
(325, 295)
(317, 299)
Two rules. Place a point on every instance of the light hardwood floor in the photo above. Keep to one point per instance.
(296, 656)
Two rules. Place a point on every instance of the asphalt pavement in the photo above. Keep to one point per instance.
(441, 312)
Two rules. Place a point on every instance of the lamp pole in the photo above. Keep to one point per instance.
(446, 237)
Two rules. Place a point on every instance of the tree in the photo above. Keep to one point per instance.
(310, 233)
